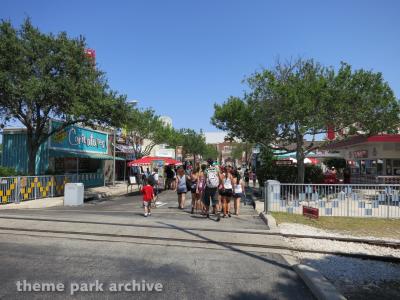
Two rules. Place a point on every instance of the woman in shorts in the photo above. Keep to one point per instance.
(238, 191)
(201, 185)
(194, 177)
(181, 187)
(226, 191)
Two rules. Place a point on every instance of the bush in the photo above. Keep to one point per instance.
(6, 172)
(338, 163)
(313, 174)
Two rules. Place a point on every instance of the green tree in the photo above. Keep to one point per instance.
(240, 148)
(293, 101)
(210, 151)
(44, 76)
(146, 125)
(192, 143)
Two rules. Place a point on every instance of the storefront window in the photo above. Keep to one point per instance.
(69, 165)
(355, 170)
(388, 167)
(370, 167)
(379, 167)
(362, 167)
(396, 166)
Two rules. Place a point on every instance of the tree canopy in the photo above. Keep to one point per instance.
(44, 76)
(297, 100)
(144, 125)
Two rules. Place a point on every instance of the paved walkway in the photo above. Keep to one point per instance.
(111, 241)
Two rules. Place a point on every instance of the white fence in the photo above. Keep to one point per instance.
(344, 200)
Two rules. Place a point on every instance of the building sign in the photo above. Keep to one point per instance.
(165, 153)
(283, 162)
(360, 154)
(330, 133)
(78, 139)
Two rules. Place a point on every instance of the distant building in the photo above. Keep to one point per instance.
(166, 120)
(161, 150)
(224, 146)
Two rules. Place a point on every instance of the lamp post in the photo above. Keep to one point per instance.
(114, 141)
(132, 103)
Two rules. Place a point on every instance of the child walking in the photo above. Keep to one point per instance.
(148, 196)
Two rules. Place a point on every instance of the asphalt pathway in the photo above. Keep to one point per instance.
(111, 241)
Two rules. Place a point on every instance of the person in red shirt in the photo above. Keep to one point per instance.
(148, 196)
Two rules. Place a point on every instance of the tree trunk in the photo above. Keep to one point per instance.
(300, 166)
(299, 155)
(32, 147)
(194, 161)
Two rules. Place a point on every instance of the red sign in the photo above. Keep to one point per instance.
(91, 53)
(331, 133)
(360, 154)
(310, 212)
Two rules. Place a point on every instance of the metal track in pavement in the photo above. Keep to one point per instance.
(229, 245)
(379, 243)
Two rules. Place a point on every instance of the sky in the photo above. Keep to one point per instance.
(181, 57)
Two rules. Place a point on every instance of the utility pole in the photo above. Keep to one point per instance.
(114, 141)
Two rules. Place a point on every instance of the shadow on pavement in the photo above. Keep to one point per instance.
(264, 259)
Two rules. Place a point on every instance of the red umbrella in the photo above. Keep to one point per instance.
(171, 161)
(147, 160)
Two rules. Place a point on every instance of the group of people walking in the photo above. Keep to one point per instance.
(211, 187)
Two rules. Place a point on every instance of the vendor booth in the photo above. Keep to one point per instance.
(371, 159)
(75, 151)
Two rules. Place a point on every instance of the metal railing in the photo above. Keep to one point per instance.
(372, 179)
(344, 200)
(21, 188)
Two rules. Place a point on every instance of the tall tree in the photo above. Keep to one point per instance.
(146, 125)
(192, 143)
(210, 151)
(296, 100)
(44, 76)
(240, 148)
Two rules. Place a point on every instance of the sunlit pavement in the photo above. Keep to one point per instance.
(111, 241)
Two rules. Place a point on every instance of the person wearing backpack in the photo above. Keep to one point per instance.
(210, 192)
(153, 180)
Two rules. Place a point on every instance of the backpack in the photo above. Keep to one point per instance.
(151, 180)
(212, 178)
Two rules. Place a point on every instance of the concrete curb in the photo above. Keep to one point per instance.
(319, 286)
(103, 195)
(268, 219)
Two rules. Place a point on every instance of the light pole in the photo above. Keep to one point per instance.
(114, 156)
(132, 103)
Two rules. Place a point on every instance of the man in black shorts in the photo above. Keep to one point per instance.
(210, 192)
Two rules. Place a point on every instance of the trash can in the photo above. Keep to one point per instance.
(73, 194)
(273, 194)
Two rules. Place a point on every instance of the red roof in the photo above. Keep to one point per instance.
(147, 160)
(361, 139)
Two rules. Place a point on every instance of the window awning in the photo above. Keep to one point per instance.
(69, 153)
